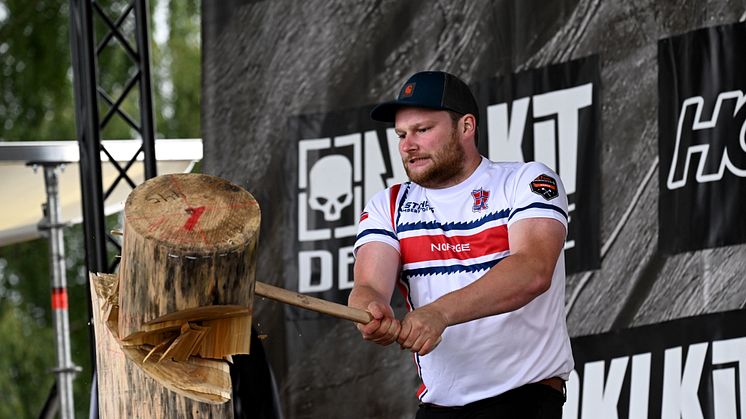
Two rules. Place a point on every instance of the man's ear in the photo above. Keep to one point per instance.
(470, 123)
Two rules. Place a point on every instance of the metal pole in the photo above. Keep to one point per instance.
(147, 124)
(65, 370)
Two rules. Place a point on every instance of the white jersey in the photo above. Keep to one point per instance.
(447, 239)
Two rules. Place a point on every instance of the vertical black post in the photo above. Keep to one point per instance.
(89, 135)
(147, 124)
(89, 125)
(89, 140)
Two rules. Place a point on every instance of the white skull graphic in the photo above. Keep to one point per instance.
(331, 186)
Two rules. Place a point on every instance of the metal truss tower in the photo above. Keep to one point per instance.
(96, 29)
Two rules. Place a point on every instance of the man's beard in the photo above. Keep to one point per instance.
(447, 163)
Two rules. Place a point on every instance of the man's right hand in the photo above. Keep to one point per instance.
(384, 328)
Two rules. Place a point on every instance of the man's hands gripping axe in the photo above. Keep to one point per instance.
(420, 331)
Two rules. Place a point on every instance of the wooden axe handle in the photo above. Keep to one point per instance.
(316, 304)
(310, 303)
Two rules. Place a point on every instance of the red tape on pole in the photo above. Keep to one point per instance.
(59, 298)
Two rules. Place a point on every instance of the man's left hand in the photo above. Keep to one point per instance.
(421, 330)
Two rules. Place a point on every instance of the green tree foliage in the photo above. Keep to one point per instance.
(178, 78)
(34, 60)
(36, 103)
(27, 340)
(26, 351)
(26, 329)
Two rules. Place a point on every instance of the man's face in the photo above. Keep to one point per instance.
(430, 147)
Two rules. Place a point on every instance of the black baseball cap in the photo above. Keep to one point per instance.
(432, 90)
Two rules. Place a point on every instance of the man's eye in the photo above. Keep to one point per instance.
(423, 129)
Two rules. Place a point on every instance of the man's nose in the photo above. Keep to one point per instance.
(406, 143)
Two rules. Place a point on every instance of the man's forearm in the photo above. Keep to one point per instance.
(509, 286)
(515, 281)
(361, 296)
(376, 270)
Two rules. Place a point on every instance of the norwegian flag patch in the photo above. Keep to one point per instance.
(545, 186)
(363, 216)
(480, 197)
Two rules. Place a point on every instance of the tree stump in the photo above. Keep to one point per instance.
(182, 300)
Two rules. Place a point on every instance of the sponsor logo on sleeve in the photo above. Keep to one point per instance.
(545, 186)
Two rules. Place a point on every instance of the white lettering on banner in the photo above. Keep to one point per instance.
(640, 386)
(571, 408)
(600, 399)
(565, 104)
(680, 393)
(680, 399)
(344, 261)
(505, 139)
(305, 271)
(683, 153)
(724, 393)
(559, 132)
(325, 270)
(728, 352)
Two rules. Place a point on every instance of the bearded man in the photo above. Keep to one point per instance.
(476, 247)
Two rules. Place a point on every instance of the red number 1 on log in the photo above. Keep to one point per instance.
(193, 218)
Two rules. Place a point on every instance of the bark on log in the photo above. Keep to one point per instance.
(189, 241)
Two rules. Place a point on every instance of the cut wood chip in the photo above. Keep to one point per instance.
(159, 348)
(177, 367)
(205, 380)
(186, 344)
(199, 313)
(226, 337)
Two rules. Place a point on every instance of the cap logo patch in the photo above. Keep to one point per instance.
(408, 90)
(545, 186)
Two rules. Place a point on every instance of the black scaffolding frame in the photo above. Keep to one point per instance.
(91, 98)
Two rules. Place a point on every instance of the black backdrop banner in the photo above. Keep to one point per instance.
(553, 115)
(702, 147)
(686, 368)
(266, 62)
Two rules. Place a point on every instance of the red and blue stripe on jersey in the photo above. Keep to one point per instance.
(431, 247)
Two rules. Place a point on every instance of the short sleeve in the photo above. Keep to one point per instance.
(377, 220)
(538, 192)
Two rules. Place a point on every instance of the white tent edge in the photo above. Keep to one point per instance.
(22, 189)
